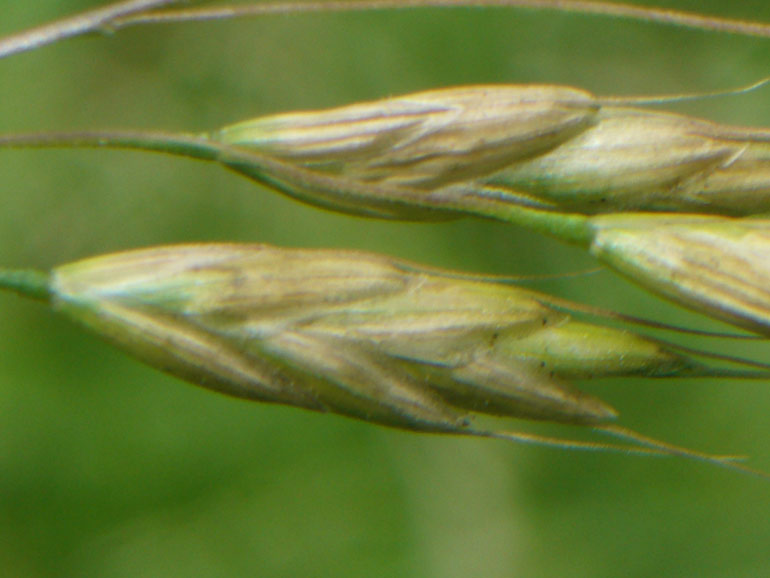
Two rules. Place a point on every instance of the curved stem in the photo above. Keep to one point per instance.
(102, 18)
(649, 14)
(135, 12)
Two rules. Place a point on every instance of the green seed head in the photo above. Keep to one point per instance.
(352, 333)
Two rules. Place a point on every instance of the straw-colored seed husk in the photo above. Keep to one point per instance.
(633, 159)
(424, 140)
(352, 333)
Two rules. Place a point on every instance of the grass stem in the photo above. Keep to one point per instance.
(27, 283)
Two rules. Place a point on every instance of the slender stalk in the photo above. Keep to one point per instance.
(568, 227)
(103, 18)
(27, 283)
(154, 141)
(331, 190)
(611, 9)
(136, 12)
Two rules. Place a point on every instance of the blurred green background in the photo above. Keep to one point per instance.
(111, 469)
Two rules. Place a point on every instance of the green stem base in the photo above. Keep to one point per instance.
(27, 283)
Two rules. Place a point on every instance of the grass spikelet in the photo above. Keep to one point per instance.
(357, 334)
(440, 153)
(551, 147)
(424, 140)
